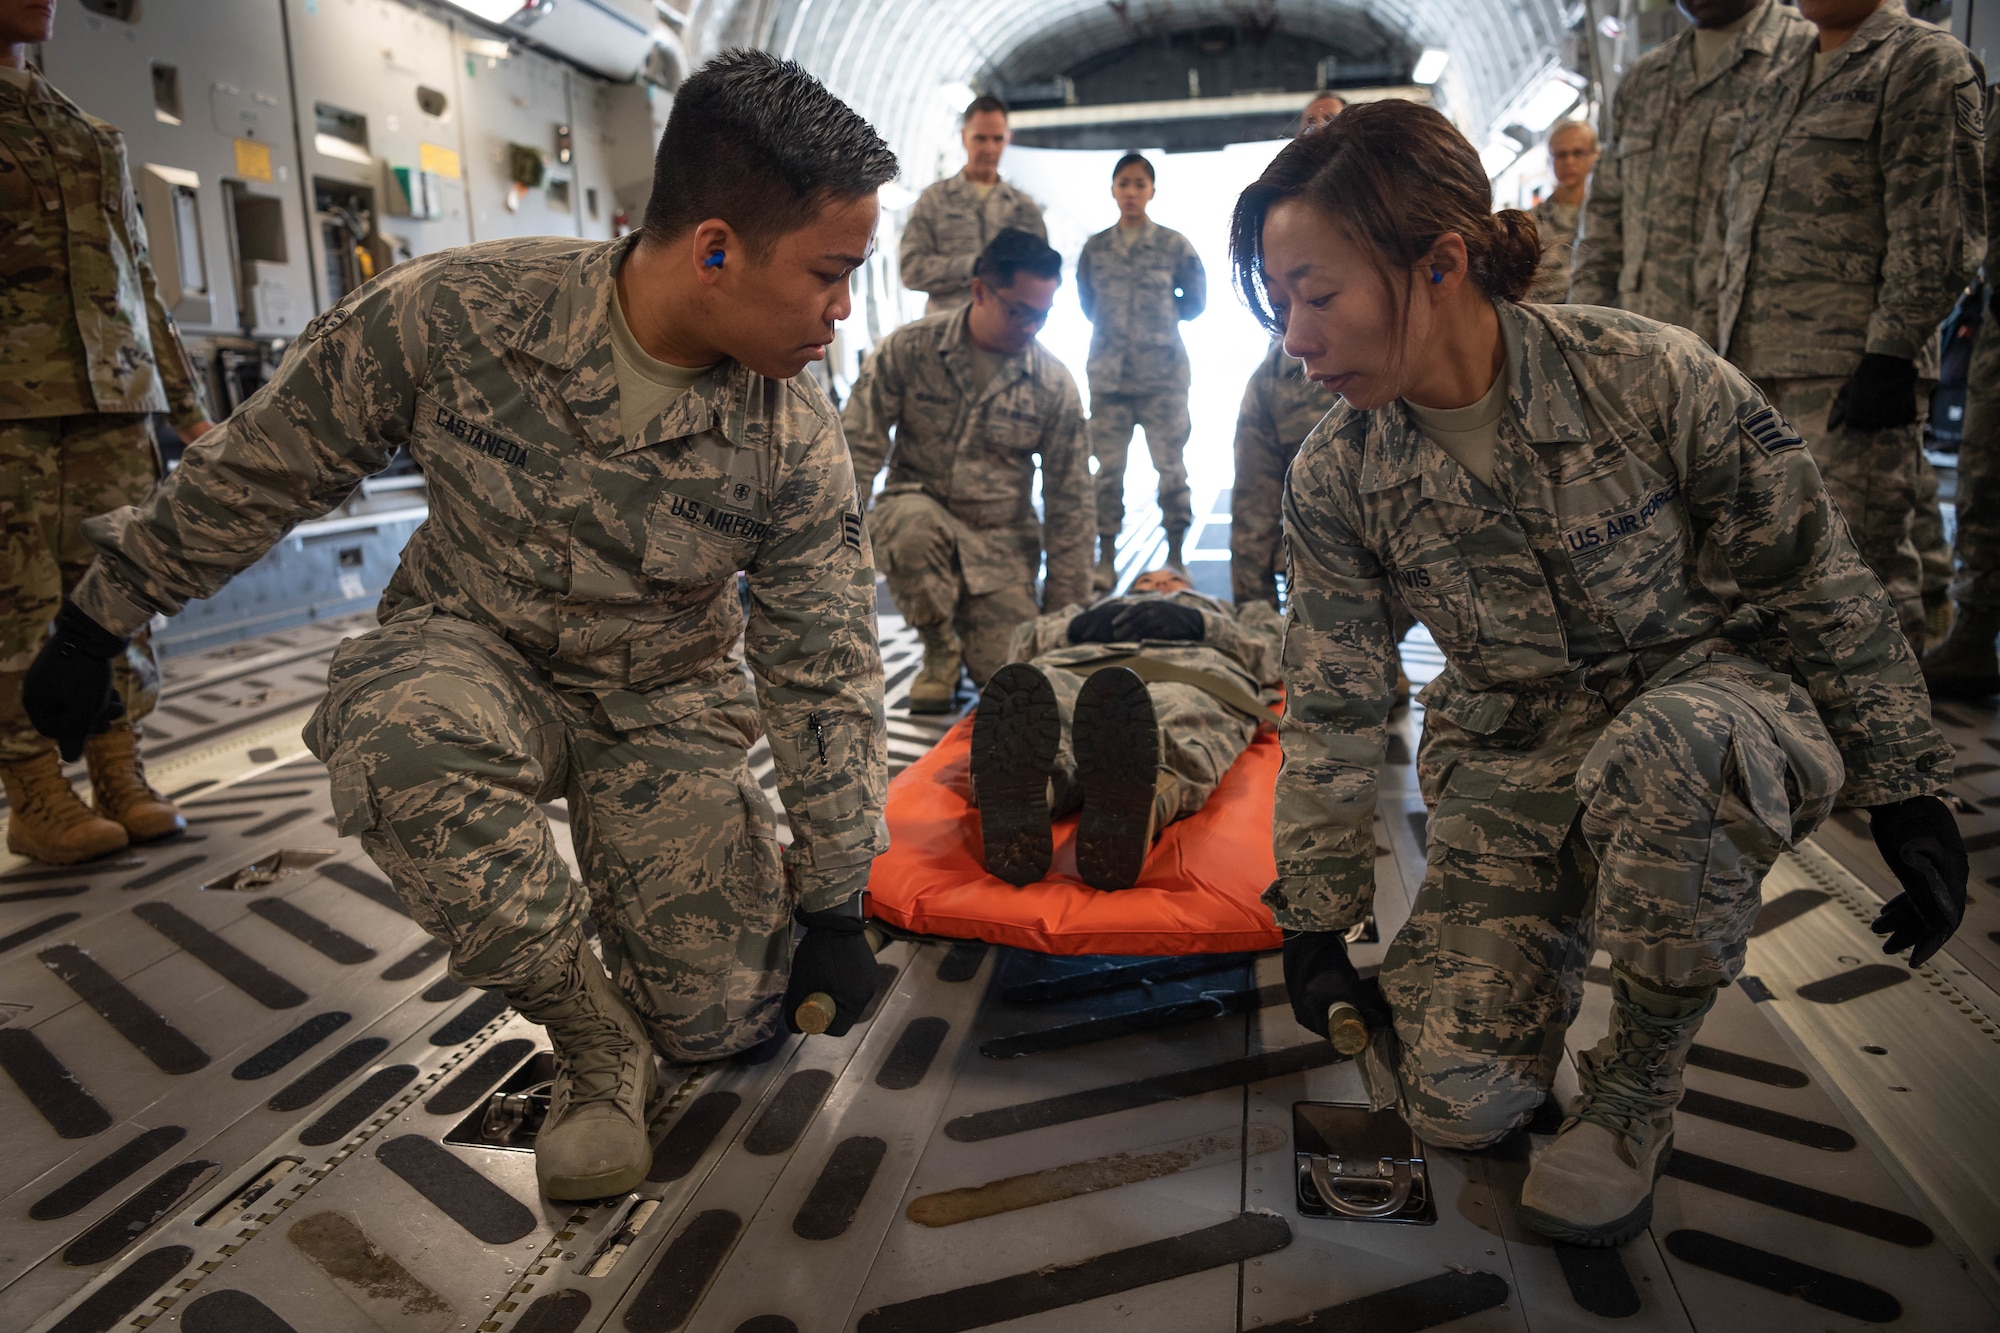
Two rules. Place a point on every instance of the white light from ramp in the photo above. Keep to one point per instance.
(1549, 102)
(1430, 65)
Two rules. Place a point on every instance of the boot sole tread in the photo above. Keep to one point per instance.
(1117, 740)
(1016, 731)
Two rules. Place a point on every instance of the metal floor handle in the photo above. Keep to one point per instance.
(1329, 1184)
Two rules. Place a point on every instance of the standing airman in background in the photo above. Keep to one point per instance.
(87, 354)
(955, 218)
(1572, 154)
(1853, 217)
(1323, 107)
(1138, 281)
(1280, 407)
(973, 399)
(1656, 188)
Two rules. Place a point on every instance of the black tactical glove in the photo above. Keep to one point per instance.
(67, 692)
(1881, 392)
(1128, 622)
(833, 957)
(1318, 976)
(1919, 839)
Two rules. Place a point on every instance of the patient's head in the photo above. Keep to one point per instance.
(1162, 581)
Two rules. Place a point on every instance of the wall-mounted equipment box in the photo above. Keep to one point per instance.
(415, 193)
(171, 198)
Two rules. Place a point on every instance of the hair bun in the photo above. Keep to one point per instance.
(1515, 255)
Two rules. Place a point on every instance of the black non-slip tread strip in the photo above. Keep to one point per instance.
(106, 1173)
(323, 1077)
(1982, 842)
(843, 1183)
(691, 1135)
(1854, 983)
(1719, 1061)
(1056, 1287)
(47, 873)
(767, 1323)
(291, 1046)
(1119, 976)
(478, 1077)
(1787, 907)
(486, 1211)
(1773, 1192)
(231, 1311)
(1597, 1280)
(38, 929)
(413, 963)
(303, 926)
(274, 823)
(673, 1288)
(443, 990)
(50, 1088)
(149, 1033)
(961, 962)
(789, 1112)
(1762, 1120)
(1788, 1277)
(558, 1312)
(167, 871)
(36, 895)
(227, 961)
(910, 1058)
(238, 796)
(372, 887)
(107, 1307)
(340, 1119)
(1113, 1026)
(1410, 1308)
(136, 1216)
(466, 1023)
(1001, 1121)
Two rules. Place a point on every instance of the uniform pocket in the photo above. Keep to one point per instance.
(1439, 593)
(694, 543)
(1632, 558)
(356, 664)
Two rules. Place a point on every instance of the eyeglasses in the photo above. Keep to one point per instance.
(1566, 153)
(1021, 314)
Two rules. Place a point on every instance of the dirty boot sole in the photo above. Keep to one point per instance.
(1015, 734)
(1117, 739)
(1610, 1233)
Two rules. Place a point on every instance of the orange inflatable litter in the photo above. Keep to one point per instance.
(1198, 893)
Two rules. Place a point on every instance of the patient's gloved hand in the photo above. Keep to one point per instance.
(1121, 621)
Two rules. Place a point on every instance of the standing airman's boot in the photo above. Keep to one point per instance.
(1965, 665)
(47, 821)
(1117, 738)
(1105, 578)
(1594, 1184)
(935, 688)
(593, 1143)
(1175, 536)
(119, 790)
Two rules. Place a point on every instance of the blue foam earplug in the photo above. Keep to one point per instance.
(713, 261)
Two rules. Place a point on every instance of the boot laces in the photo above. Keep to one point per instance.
(601, 1069)
(1625, 1092)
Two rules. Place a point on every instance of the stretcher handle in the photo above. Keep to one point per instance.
(815, 1013)
(1330, 1185)
(1345, 1029)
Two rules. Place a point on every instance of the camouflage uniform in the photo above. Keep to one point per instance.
(1280, 406)
(564, 624)
(1977, 536)
(950, 224)
(1610, 756)
(1655, 189)
(1200, 736)
(956, 525)
(87, 353)
(1555, 224)
(1854, 215)
(1136, 295)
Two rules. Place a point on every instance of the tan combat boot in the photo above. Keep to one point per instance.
(47, 821)
(1594, 1184)
(119, 790)
(935, 688)
(1105, 578)
(1175, 560)
(593, 1144)
(1966, 665)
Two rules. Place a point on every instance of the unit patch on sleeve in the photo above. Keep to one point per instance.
(324, 323)
(1771, 431)
(850, 529)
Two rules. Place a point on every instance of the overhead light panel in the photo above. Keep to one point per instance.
(1548, 104)
(1499, 154)
(493, 11)
(1430, 65)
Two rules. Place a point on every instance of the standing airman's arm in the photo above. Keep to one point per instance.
(1191, 280)
(873, 410)
(1752, 483)
(1069, 504)
(1086, 283)
(1599, 251)
(338, 407)
(1933, 197)
(187, 405)
(1340, 677)
(1028, 215)
(1255, 497)
(811, 645)
(924, 266)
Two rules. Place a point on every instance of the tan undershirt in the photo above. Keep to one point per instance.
(1127, 237)
(1471, 434)
(1711, 43)
(985, 365)
(1822, 65)
(983, 188)
(647, 386)
(20, 78)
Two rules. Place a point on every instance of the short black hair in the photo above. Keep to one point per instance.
(760, 143)
(1135, 160)
(1011, 251)
(983, 102)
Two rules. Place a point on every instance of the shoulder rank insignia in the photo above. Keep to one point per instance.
(1771, 431)
(850, 529)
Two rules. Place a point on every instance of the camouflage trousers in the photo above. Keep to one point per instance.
(1872, 477)
(1647, 834)
(1977, 580)
(442, 742)
(1164, 417)
(938, 575)
(55, 472)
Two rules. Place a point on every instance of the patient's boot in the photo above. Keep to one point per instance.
(593, 1143)
(1594, 1184)
(1965, 665)
(1117, 740)
(935, 688)
(1015, 735)
(1106, 577)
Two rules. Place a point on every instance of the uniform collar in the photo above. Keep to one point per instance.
(1760, 36)
(957, 349)
(571, 333)
(1874, 30)
(962, 184)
